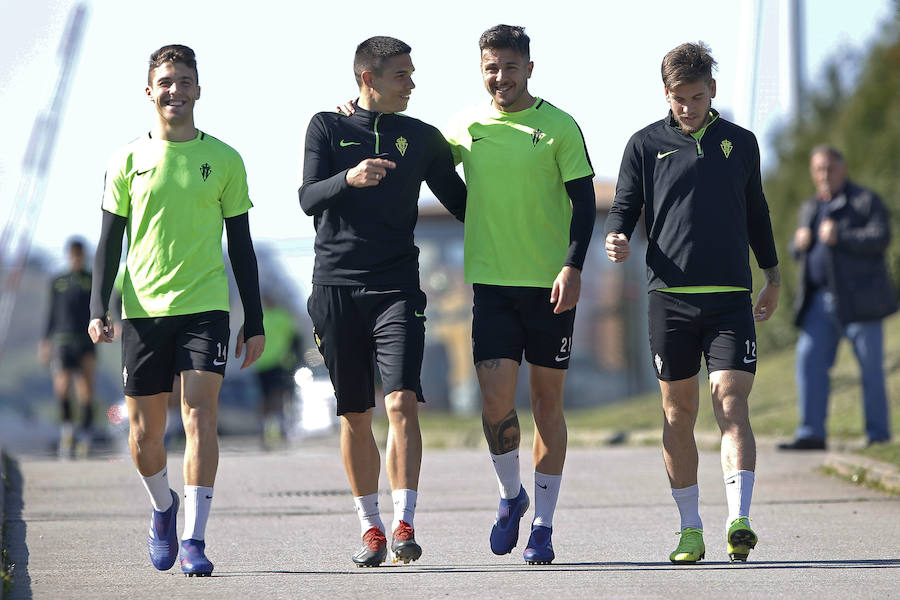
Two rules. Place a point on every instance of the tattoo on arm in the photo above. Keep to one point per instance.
(503, 436)
(773, 276)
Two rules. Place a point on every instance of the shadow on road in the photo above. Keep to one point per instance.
(15, 532)
(888, 563)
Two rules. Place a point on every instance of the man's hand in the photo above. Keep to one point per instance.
(566, 289)
(369, 172)
(803, 238)
(101, 330)
(766, 303)
(828, 232)
(255, 347)
(347, 108)
(617, 248)
(44, 352)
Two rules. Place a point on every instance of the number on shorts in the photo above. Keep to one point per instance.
(751, 348)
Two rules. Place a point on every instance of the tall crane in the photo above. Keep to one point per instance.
(15, 239)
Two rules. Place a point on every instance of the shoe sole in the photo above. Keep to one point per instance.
(742, 542)
(539, 562)
(198, 574)
(688, 562)
(406, 552)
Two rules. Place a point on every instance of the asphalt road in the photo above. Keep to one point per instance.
(283, 526)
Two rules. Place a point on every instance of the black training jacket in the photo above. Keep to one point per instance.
(364, 236)
(703, 204)
(69, 310)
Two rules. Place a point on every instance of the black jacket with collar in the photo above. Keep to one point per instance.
(364, 236)
(857, 271)
(703, 204)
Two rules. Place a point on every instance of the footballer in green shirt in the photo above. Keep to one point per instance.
(529, 217)
(173, 191)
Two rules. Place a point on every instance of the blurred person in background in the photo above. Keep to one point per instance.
(275, 369)
(845, 291)
(68, 349)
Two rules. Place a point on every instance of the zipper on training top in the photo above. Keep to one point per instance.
(375, 129)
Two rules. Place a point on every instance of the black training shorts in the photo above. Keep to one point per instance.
(717, 325)
(507, 321)
(68, 356)
(354, 325)
(155, 349)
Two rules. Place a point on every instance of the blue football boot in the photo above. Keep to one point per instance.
(193, 559)
(505, 533)
(163, 539)
(539, 550)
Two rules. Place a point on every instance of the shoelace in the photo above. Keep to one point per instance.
(403, 532)
(374, 539)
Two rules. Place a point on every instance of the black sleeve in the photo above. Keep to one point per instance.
(320, 188)
(246, 274)
(444, 181)
(629, 201)
(759, 225)
(51, 311)
(584, 212)
(106, 263)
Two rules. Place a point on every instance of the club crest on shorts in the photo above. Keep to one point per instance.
(402, 145)
(658, 360)
(124, 375)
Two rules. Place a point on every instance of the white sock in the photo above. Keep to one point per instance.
(738, 492)
(688, 501)
(158, 488)
(367, 511)
(197, 502)
(546, 492)
(506, 466)
(404, 507)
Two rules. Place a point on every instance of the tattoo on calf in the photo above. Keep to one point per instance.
(503, 436)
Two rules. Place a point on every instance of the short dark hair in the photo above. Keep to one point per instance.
(688, 63)
(829, 150)
(76, 245)
(374, 52)
(506, 36)
(172, 53)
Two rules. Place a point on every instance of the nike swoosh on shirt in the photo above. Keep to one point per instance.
(345, 144)
(478, 139)
(418, 314)
(665, 154)
(144, 172)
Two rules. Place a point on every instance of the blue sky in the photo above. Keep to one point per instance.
(266, 67)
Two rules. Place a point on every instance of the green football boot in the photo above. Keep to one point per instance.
(741, 539)
(690, 548)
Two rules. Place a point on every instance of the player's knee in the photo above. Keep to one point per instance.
(401, 404)
(546, 407)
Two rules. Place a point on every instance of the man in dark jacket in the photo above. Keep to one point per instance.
(845, 291)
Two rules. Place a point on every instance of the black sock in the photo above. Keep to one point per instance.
(87, 416)
(66, 406)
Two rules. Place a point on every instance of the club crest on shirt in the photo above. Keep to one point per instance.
(205, 170)
(402, 145)
(726, 146)
(536, 136)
